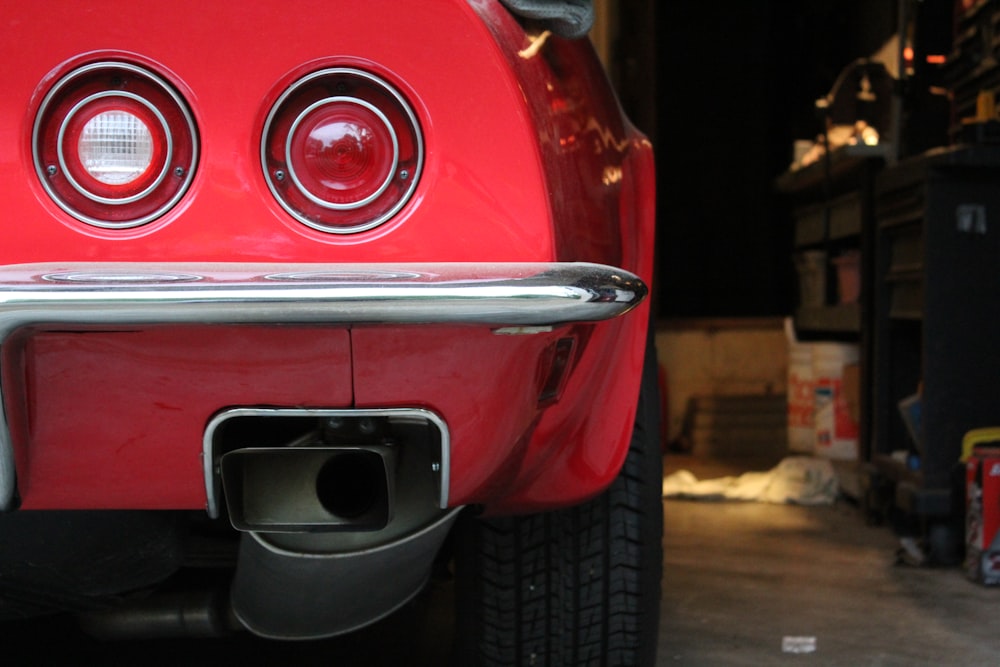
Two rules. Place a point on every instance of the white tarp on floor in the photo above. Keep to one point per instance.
(800, 480)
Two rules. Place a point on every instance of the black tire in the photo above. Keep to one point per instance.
(579, 586)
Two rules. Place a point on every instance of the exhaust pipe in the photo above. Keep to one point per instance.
(203, 613)
(309, 489)
(343, 512)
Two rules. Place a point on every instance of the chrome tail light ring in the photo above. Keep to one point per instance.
(135, 111)
(342, 150)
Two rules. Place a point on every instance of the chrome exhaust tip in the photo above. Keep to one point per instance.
(309, 489)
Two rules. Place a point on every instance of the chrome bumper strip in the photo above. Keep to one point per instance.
(491, 294)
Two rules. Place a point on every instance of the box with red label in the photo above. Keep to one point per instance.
(982, 515)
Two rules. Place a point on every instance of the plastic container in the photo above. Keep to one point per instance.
(801, 392)
(836, 430)
(848, 268)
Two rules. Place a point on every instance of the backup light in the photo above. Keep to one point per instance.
(115, 147)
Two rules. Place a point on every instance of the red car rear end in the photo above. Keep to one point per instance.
(306, 279)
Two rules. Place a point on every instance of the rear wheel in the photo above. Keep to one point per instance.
(579, 586)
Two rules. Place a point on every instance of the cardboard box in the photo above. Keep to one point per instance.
(982, 516)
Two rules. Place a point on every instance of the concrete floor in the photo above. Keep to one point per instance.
(741, 577)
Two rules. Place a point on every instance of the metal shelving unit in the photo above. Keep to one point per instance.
(832, 212)
(936, 292)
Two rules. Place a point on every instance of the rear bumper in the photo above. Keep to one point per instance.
(108, 295)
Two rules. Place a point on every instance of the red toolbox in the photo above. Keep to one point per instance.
(982, 506)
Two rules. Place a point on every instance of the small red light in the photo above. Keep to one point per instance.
(937, 59)
(342, 151)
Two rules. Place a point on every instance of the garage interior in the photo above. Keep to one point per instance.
(827, 244)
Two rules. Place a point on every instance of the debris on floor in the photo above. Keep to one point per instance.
(798, 644)
(800, 480)
(911, 552)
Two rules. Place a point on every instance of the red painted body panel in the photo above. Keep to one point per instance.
(528, 159)
(482, 194)
(485, 386)
(600, 170)
(116, 419)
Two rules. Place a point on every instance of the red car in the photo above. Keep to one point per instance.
(300, 298)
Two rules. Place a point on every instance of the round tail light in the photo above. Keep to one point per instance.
(114, 145)
(342, 150)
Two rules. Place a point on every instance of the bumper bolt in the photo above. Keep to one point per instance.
(366, 426)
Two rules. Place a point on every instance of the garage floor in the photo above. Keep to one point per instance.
(742, 579)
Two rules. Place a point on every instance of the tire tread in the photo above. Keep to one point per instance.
(574, 587)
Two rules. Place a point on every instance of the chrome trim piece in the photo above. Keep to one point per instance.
(350, 275)
(213, 492)
(291, 163)
(170, 92)
(521, 331)
(413, 178)
(488, 294)
(111, 277)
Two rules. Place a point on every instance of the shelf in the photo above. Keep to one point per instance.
(810, 226)
(845, 317)
(838, 164)
(845, 217)
(906, 219)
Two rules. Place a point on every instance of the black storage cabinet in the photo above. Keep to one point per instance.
(936, 329)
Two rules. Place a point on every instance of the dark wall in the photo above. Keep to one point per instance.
(735, 85)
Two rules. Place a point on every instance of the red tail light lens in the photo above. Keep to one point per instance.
(342, 150)
(114, 145)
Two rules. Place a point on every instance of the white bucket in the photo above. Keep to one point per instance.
(836, 431)
(801, 393)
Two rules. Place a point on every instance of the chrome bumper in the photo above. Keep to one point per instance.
(497, 295)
